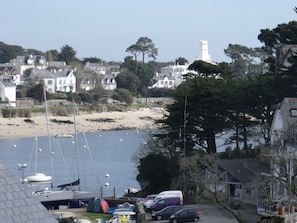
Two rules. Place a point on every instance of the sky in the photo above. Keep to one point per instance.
(105, 29)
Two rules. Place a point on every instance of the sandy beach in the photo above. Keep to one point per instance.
(37, 125)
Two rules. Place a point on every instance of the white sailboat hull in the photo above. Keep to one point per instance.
(38, 177)
(49, 195)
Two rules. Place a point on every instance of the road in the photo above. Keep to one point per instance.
(214, 213)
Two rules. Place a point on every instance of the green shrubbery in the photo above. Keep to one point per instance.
(58, 110)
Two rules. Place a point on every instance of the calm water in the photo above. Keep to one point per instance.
(100, 153)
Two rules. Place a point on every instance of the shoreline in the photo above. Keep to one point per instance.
(22, 127)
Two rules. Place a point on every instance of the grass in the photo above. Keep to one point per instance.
(93, 216)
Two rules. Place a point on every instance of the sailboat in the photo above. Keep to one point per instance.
(37, 177)
(79, 194)
(49, 197)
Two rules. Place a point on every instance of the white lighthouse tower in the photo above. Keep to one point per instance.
(204, 51)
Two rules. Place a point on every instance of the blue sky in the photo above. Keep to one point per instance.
(105, 29)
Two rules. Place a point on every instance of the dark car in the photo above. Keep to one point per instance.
(185, 215)
(166, 212)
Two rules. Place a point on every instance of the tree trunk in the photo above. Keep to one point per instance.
(211, 141)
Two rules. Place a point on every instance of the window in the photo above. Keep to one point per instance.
(60, 81)
(294, 112)
(49, 82)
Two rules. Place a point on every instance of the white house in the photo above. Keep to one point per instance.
(60, 81)
(8, 92)
(97, 67)
(108, 82)
(89, 81)
(170, 77)
(65, 81)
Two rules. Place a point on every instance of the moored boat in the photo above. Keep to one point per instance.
(38, 178)
(62, 136)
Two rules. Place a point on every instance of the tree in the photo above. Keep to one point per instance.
(144, 46)
(67, 54)
(9, 52)
(52, 55)
(147, 47)
(92, 60)
(204, 69)
(181, 61)
(197, 114)
(245, 61)
(134, 49)
(205, 107)
(123, 95)
(128, 80)
(34, 52)
(145, 73)
(36, 92)
(152, 169)
(272, 38)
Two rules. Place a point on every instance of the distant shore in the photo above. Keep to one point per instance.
(105, 121)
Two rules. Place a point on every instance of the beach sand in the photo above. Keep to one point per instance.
(37, 125)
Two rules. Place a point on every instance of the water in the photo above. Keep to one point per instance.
(101, 154)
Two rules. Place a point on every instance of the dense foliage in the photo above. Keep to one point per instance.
(156, 172)
(8, 52)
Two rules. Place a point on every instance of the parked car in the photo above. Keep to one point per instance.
(164, 202)
(166, 212)
(185, 215)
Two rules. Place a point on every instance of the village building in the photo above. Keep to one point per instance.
(22, 63)
(59, 81)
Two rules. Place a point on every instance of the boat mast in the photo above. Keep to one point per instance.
(49, 139)
(36, 153)
(76, 141)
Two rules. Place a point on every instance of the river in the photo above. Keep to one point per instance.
(105, 158)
